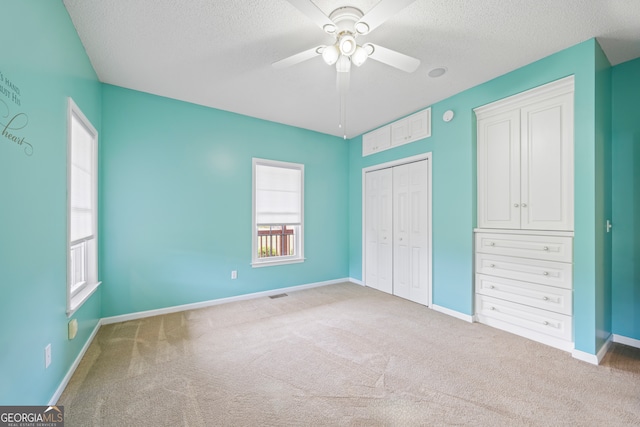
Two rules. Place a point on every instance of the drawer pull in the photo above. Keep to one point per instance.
(545, 298)
(545, 323)
(546, 248)
(492, 265)
(492, 308)
(546, 273)
(516, 205)
(492, 287)
(492, 244)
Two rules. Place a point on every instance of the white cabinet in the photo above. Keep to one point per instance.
(411, 128)
(524, 240)
(525, 160)
(377, 140)
(396, 219)
(403, 131)
(529, 292)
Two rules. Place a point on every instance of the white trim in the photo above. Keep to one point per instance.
(203, 304)
(594, 359)
(632, 342)
(453, 313)
(547, 90)
(74, 365)
(417, 158)
(356, 281)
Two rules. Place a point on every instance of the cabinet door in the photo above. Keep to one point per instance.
(547, 164)
(377, 140)
(410, 267)
(378, 230)
(411, 128)
(499, 171)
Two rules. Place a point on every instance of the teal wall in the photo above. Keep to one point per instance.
(603, 197)
(176, 216)
(454, 186)
(43, 57)
(626, 199)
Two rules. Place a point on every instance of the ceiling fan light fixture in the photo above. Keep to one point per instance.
(344, 64)
(359, 56)
(369, 49)
(361, 28)
(347, 45)
(329, 28)
(330, 54)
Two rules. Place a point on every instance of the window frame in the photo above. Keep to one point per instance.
(298, 235)
(78, 293)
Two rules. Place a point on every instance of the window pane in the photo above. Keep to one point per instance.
(279, 240)
(278, 195)
(81, 185)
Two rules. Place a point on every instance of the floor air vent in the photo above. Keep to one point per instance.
(277, 296)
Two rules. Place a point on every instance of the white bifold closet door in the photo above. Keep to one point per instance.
(396, 212)
(379, 230)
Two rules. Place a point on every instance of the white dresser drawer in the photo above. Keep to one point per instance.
(549, 298)
(530, 270)
(522, 316)
(550, 248)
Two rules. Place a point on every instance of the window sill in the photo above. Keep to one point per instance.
(80, 298)
(258, 264)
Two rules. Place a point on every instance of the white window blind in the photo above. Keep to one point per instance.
(82, 143)
(278, 195)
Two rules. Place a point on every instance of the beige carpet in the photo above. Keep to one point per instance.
(339, 355)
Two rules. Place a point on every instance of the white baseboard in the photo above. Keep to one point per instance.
(456, 314)
(632, 342)
(594, 359)
(356, 281)
(74, 366)
(210, 303)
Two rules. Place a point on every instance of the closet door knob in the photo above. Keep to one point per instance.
(545, 298)
(492, 287)
(545, 323)
(492, 244)
(492, 308)
(492, 265)
(524, 205)
(516, 205)
(546, 248)
(546, 273)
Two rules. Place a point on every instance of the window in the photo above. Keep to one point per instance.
(277, 212)
(82, 213)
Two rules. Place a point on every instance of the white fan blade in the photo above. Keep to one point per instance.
(298, 57)
(383, 11)
(314, 13)
(395, 59)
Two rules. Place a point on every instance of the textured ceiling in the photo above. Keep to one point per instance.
(219, 53)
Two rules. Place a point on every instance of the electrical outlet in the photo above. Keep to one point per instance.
(47, 356)
(234, 274)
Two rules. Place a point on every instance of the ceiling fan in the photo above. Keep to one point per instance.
(345, 24)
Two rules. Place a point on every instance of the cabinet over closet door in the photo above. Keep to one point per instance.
(547, 164)
(499, 171)
(410, 231)
(379, 230)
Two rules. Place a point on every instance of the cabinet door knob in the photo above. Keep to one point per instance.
(545, 323)
(492, 265)
(492, 308)
(492, 287)
(545, 298)
(546, 248)
(492, 244)
(401, 239)
(524, 205)
(516, 205)
(546, 273)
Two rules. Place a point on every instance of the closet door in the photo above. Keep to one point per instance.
(547, 164)
(410, 232)
(499, 171)
(378, 230)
